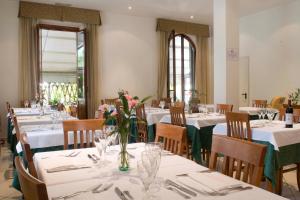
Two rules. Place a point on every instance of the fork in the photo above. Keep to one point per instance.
(178, 192)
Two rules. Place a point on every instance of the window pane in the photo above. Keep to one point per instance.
(178, 87)
(187, 67)
(186, 43)
(187, 96)
(187, 83)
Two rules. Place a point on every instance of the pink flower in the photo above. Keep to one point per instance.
(132, 103)
(129, 98)
(114, 113)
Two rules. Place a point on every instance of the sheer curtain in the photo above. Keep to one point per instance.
(93, 69)
(29, 68)
(163, 64)
(202, 77)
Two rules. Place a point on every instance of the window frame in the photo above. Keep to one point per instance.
(192, 62)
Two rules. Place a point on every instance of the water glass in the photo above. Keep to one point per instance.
(100, 143)
(162, 104)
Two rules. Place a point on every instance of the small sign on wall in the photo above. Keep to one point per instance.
(233, 54)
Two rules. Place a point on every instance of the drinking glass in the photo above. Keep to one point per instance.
(100, 141)
(147, 170)
(111, 136)
(270, 115)
(162, 104)
(260, 114)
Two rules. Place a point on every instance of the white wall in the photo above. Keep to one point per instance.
(9, 49)
(272, 41)
(129, 48)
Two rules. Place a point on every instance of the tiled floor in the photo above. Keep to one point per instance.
(290, 189)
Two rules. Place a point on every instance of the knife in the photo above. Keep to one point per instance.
(92, 158)
(120, 193)
(183, 189)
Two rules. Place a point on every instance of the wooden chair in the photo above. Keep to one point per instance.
(296, 115)
(238, 125)
(281, 114)
(173, 137)
(155, 103)
(27, 155)
(142, 127)
(244, 158)
(16, 127)
(223, 108)
(277, 102)
(25, 103)
(259, 103)
(179, 104)
(73, 111)
(110, 101)
(167, 101)
(177, 116)
(32, 188)
(85, 127)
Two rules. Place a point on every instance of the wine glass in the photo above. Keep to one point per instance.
(100, 141)
(26, 103)
(111, 136)
(270, 115)
(147, 170)
(260, 114)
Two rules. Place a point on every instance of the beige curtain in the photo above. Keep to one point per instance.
(163, 64)
(202, 69)
(92, 69)
(29, 68)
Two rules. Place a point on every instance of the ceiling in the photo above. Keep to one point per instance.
(172, 9)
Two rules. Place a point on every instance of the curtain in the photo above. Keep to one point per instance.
(92, 69)
(29, 68)
(163, 64)
(202, 67)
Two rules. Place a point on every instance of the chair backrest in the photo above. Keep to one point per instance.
(167, 101)
(224, 108)
(281, 114)
(296, 115)
(73, 111)
(140, 112)
(179, 104)
(245, 158)
(172, 136)
(259, 103)
(177, 116)
(110, 101)
(142, 127)
(238, 125)
(85, 128)
(16, 127)
(8, 107)
(27, 155)
(32, 188)
(155, 103)
(277, 102)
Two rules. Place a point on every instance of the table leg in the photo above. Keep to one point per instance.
(279, 176)
(298, 175)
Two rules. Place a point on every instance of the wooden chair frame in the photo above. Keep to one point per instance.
(238, 125)
(177, 116)
(27, 155)
(244, 158)
(173, 137)
(224, 108)
(83, 126)
(259, 103)
(32, 188)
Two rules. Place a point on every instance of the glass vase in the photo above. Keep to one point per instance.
(123, 155)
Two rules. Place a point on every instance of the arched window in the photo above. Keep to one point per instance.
(181, 68)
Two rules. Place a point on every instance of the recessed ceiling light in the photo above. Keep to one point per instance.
(129, 7)
(192, 17)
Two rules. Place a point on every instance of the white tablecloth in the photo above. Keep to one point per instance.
(274, 133)
(67, 182)
(39, 120)
(154, 115)
(199, 120)
(30, 111)
(42, 136)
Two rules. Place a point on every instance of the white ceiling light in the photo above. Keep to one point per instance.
(129, 7)
(192, 17)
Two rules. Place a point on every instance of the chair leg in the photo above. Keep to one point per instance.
(298, 175)
(278, 187)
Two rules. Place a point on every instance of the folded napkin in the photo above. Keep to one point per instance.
(209, 182)
(66, 168)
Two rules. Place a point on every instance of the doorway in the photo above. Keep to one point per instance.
(62, 62)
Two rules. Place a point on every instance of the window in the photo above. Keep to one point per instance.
(181, 68)
(62, 60)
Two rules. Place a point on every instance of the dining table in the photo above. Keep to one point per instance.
(283, 144)
(80, 177)
(199, 130)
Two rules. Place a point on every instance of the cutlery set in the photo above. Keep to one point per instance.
(123, 194)
(96, 189)
(66, 168)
